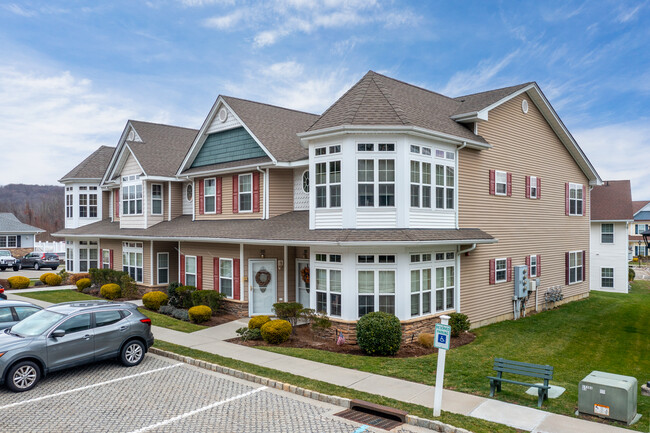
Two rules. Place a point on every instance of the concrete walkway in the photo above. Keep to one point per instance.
(211, 340)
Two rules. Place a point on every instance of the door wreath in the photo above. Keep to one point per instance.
(263, 278)
(304, 275)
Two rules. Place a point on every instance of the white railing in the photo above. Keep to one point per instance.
(49, 247)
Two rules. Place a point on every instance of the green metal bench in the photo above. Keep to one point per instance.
(501, 366)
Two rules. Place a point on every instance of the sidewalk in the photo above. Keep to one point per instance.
(525, 418)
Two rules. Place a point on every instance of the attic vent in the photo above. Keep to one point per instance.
(524, 106)
(223, 115)
(131, 136)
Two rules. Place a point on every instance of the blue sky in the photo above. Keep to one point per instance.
(72, 73)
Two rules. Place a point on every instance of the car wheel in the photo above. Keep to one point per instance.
(18, 268)
(37, 266)
(23, 376)
(54, 268)
(132, 353)
(2, 269)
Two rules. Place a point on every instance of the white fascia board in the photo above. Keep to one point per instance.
(643, 209)
(292, 164)
(483, 114)
(116, 154)
(236, 169)
(201, 136)
(160, 178)
(68, 180)
(611, 221)
(389, 129)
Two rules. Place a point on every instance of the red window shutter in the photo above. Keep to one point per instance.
(566, 198)
(566, 261)
(492, 267)
(539, 188)
(584, 201)
(528, 264)
(235, 194)
(584, 265)
(219, 195)
(492, 180)
(539, 265)
(199, 272)
(256, 191)
(201, 196)
(182, 269)
(509, 184)
(110, 260)
(235, 277)
(509, 268)
(215, 266)
(116, 205)
(527, 186)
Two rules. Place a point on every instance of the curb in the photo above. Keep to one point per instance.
(436, 426)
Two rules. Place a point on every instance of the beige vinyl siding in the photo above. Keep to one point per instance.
(226, 203)
(131, 166)
(116, 246)
(106, 201)
(146, 263)
(115, 210)
(209, 252)
(280, 191)
(524, 145)
(177, 199)
(151, 218)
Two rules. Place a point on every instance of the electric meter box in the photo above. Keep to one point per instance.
(521, 281)
(608, 395)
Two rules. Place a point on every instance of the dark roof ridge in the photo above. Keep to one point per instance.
(394, 105)
(493, 90)
(414, 86)
(162, 124)
(270, 105)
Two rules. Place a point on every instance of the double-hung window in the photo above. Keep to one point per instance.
(607, 278)
(132, 259)
(9, 241)
(83, 202)
(501, 270)
(420, 284)
(375, 175)
(575, 199)
(190, 271)
(533, 186)
(92, 202)
(607, 233)
(69, 200)
(156, 199)
(328, 290)
(106, 259)
(245, 192)
(88, 255)
(575, 267)
(210, 195)
(640, 228)
(366, 179)
(225, 277)
(421, 184)
(163, 268)
(444, 187)
(131, 195)
(376, 284)
(328, 183)
(533, 266)
(69, 256)
(501, 182)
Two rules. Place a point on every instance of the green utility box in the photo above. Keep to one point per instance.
(607, 395)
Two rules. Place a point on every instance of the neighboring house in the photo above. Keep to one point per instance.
(395, 199)
(641, 224)
(14, 234)
(611, 213)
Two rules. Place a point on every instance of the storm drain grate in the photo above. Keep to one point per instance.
(374, 415)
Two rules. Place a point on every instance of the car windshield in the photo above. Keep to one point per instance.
(36, 324)
(5, 253)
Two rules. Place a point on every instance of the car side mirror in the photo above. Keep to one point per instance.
(57, 333)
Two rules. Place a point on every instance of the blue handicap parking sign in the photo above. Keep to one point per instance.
(442, 339)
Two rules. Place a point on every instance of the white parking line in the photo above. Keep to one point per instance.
(58, 394)
(202, 409)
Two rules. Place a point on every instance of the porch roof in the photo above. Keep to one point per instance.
(291, 228)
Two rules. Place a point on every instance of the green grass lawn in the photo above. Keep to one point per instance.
(165, 321)
(607, 332)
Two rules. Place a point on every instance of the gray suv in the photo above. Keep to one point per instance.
(70, 334)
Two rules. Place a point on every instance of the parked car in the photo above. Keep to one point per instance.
(12, 312)
(70, 334)
(38, 260)
(7, 261)
(2, 293)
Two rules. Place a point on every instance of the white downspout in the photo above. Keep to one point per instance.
(265, 202)
(169, 200)
(457, 279)
(456, 178)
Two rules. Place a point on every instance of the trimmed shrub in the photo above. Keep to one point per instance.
(110, 291)
(320, 321)
(101, 277)
(154, 300)
(426, 339)
(129, 289)
(73, 278)
(181, 315)
(276, 331)
(18, 282)
(182, 297)
(44, 276)
(289, 311)
(258, 321)
(82, 284)
(53, 280)
(631, 275)
(200, 313)
(64, 275)
(379, 333)
(249, 334)
(459, 323)
(166, 309)
(209, 298)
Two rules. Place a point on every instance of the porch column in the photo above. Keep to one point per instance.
(151, 262)
(286, 274)
(242, 285)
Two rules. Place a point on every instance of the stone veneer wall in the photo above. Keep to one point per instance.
(410, 329)
(238, 308)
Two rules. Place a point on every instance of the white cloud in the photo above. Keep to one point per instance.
(626, 15)
(201, 3)
(618, 152)
(19, 10)
(226, 22)
(477, 78)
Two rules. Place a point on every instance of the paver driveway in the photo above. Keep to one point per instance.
(161, 395)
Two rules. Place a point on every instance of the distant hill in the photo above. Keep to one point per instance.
(41, 206)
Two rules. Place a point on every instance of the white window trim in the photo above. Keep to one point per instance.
(376, 268)
(421, 184)
(532, 275)
(497, 183)
(445, 289)
(231, 278)
(328, 183)
(158, 268)
(127, 182)
(576, 187)
(206, 195)
(603, 233)
(602, 286)
(157, 199)
(190, 273)
(376, 157)
(419, 267)
(136, 248)
(108, 263)
(446, 188)
(581, 267)
(240, 193)
(328, 292)
(532, 180)
(69, 203)
(496, 270)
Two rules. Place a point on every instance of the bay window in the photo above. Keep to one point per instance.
(444, 288)
(444, 187)
(375, 284)
(420, 184)
(420, 284)
(376, 178)
(328, 183)
(328, 291)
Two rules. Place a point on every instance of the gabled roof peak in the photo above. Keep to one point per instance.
(226, 97)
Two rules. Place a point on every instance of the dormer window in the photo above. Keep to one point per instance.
(131, 195)
(88, 202)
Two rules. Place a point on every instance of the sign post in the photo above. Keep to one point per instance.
(441, 342)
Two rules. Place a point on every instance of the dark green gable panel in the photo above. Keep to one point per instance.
(232, 145)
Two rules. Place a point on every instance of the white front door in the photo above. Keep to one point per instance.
(262, 277)
(301, 284)
(188, 198)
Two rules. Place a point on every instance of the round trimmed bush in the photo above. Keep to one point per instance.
(258, 321)
(76, 277)
(18, 282)
(200, 313)
(631, 275)
(53, 280)
(44, 276)
(276, 331)
(459, 323)
(153, 300)
(83, 283)
(379, 333)
(110, 291)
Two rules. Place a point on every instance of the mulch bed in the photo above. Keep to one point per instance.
(305, 338)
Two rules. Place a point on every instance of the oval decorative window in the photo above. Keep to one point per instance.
(524, 106)
(189, 192)
(305, 181)
(223, 115)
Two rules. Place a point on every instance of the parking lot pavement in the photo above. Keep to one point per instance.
(29, 273)
(161, 395)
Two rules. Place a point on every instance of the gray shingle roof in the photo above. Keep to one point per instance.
(289, 227)
(94, 166)
(380, 100)
(637, 205)
(10, 224)
(481, 100)
(224, 165)
(275, 127)
(612, 201)
(163, 147)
